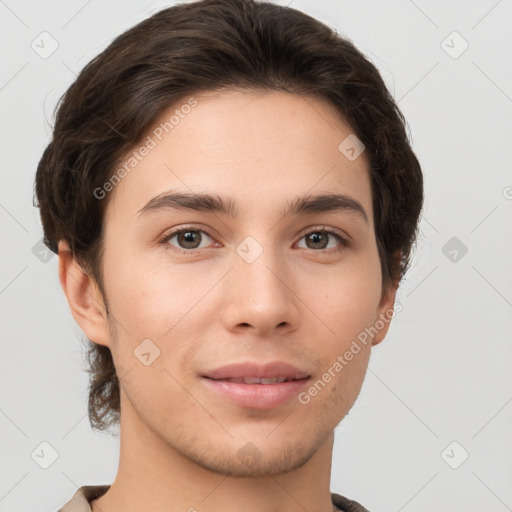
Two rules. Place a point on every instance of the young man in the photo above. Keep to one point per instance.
(233, 199)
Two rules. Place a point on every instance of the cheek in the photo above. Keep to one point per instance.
(346, 298)
(147, 296)
(346, 307)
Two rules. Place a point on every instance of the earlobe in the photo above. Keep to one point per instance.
(385, 312)
(84, 297)
(386, 307)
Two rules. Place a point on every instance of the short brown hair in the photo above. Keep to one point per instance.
(204, 46)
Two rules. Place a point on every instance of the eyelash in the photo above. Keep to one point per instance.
(323, 229)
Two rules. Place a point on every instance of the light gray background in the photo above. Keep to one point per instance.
(443, 374)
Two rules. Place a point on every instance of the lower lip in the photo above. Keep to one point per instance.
(257, 396)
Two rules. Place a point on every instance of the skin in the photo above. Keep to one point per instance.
(297, 303)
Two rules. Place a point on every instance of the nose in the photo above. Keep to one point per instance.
(259, 295)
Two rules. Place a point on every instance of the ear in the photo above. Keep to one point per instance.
(385, 310)
(84, 297)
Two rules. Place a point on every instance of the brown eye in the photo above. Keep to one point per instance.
(321, 239)
(317, 240)
(187, 239)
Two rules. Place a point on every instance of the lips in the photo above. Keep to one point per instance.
(256, 380)
(253, 373)
(255, 386)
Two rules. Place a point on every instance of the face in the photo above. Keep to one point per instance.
(191, 291)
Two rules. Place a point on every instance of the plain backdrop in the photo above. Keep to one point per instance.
(431, 429)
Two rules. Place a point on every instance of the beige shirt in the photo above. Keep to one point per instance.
(80, 502)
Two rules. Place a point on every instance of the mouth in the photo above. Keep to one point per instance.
(277, 371)
(255, 386)
(256, 380)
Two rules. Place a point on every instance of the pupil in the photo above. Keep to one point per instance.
(317, 237)
(187, 237)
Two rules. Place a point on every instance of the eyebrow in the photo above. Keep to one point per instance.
(216, 204)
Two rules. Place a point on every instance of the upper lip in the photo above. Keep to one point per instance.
(250, 369)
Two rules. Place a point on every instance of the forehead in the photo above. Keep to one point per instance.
(257, 147)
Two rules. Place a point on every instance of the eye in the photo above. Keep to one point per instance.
(187, 239)
(319, 239)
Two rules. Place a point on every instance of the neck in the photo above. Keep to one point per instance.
(153, 475)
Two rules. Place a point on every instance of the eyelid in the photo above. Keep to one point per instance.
(329, 229)
(342, 236)
(344, 240)
(184, 227)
